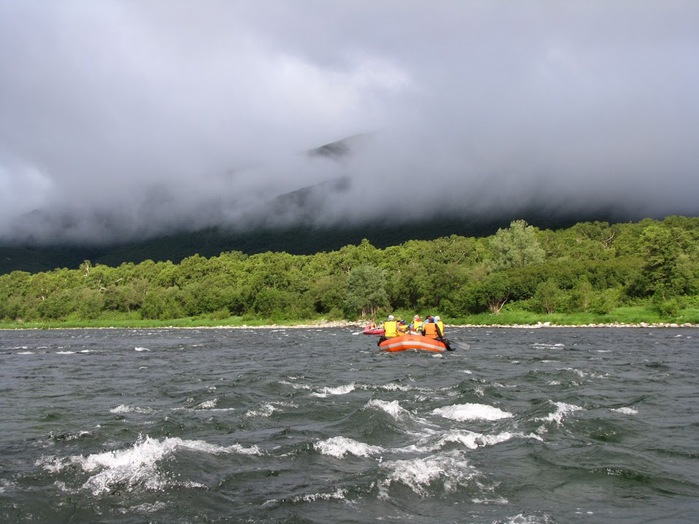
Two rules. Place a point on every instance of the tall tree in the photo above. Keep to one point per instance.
(516, 246)
(662, 249)
(366, 291)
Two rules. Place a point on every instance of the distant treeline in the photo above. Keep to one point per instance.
(294, 238)
(589, 267)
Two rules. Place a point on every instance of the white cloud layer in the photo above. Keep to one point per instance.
(133, 118)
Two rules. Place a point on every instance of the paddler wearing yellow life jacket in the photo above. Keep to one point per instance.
(390, 327)
(416, 325)
(440, 326)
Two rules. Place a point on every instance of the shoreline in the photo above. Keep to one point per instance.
(538, 325)
(360, 326)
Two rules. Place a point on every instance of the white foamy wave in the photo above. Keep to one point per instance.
(473, 440)
(65, 352)
(50, 464)
(528, 519)
(562, 409)
(393, 408)
(25, 352)
(207, 404)
(123, 408)
(626, 411)
(138, 348)
(340, 390)
(66, 437)
(338, 494)
(135, 467)
(295, 386)
(393, 387)
(267, 409)
(542, 345)
(470, 411)
(338, 447)
(5, 484)
(451, 471)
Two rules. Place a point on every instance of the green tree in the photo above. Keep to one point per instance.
(490, 294)
(582, 295)
(327, 293)
(164, 304)
(87, 303)
(350, 257)
(366, 292)
(662, 274)
(516, 246)
(583, 241)
(548, 296)
(604, 302)
(57, 305)
(13, 295)
(126, 296)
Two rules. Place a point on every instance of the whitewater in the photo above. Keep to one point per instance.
(316, 425)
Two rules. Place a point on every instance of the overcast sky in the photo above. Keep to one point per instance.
(135, 117)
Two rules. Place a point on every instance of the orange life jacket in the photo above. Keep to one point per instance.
(430, 330)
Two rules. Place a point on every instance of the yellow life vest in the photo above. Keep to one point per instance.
(390, 329)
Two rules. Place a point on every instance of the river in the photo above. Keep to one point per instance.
(547, 425)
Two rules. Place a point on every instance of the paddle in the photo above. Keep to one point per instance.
(460, 345)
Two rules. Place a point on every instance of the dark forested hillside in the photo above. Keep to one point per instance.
(299, 240)
(590, 268)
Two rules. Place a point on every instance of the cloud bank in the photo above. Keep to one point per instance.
(123, 120)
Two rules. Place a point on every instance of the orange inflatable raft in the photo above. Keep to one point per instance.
(417, 342)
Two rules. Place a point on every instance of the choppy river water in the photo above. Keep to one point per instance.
(316, 426)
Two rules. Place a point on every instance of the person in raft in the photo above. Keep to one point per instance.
(440, 325)
(434, 328)
(390, 327)
(430, 327)
(416, 325)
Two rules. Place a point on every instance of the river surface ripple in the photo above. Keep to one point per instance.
(318, 426)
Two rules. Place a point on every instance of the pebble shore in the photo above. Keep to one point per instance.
(360, 325)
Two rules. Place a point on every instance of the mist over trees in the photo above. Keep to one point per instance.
(590, 267)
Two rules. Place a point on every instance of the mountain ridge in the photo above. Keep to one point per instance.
(297, 239)
(288, 222)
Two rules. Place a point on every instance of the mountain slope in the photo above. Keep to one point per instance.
(296, 240)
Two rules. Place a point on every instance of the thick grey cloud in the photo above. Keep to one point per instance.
(128, 118)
